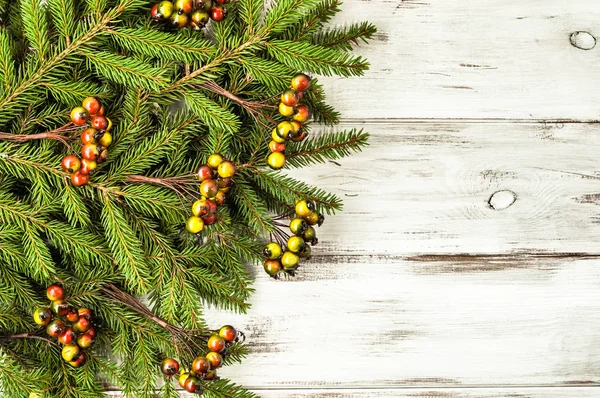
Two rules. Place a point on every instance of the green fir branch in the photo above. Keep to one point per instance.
(325, 147)
(344, 37)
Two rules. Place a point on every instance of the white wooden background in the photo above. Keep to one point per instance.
(467, 261)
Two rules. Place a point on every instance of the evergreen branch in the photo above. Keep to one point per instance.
(71, 92)
(162, 45)
(286, 13)
(343, 38)
(248, 206)
(312, 20)
(63, 16)
(301, 55)
(40, 261)
(325, 147)
(250, 12)
(270, 73)
(7, 65)
(211, 113)
(35, 26)
(124, 70)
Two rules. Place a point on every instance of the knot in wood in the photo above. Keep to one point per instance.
(583, 40)
(501, 200)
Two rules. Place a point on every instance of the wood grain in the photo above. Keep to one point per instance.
(473, 59)
(522, 392)
(425, 187)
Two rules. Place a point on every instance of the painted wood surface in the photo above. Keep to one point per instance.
(474, 59)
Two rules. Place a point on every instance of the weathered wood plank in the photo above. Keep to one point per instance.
(473, 59)
(429, 188)
(382, 322)
(520, 392)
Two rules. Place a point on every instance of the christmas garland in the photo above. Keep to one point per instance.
(117, 124)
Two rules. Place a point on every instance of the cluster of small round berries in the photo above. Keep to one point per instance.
(302, 227)
(194, 13)
(289, 130)
(204, 367)
(213, 191)
(95, 139)
(72, 327)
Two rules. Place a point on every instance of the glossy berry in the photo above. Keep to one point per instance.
(92, 332)
(220, 198)
(214, 160)
(276, 160)
(86, 313)
(295, 244)
(90, 151)
(79, 361)
(216, 343)
(298, 226)
(209, 188)
(99, 123)
(182, 378)
(300, 82)
(79, 115)
(284, 129)
(169, 367)
(72, 316)
(92, 105)
(105, 140)
(192, 384)
(185, 6)
(55, 328)
(200, 365)
(165, 9)
(210, 219)
(155, 14)
(212, 206)
(103, 156)
(217, 13)
(221, 2)
(85, 341)
(200, 208)
(274, 146)
(88, 166)
(305, 252)
(205, 172)
(70, 352)
(194, 225)
(101, 112)
(224, 182)
(204, 5)
(304, 208)
(301, 136)
(55, 292)
(312, 218)
(67, 336)
(70, 163)
(42, 316)
(59, 307)
(310, 235)
(228, 333)
(226, 169)
(289, 261)
(285, 110)
(82, 325)
(272, 267)
(302, 113)
(179, 20)
(296, 127)
(289, 97)
(212, 375)
(215, 359)
(276, 137)
(79, 179)
(88, 136)
(273, 251)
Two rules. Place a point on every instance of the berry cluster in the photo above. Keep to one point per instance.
(204, 367)
(289, 130)
(302, 227)
(72, 327)
(194, 13)
(213, 191)
(95, 139)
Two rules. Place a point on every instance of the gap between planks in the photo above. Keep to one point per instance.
(409, 120)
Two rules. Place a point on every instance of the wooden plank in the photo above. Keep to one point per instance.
(426, 187)
(473, 59)
(362, 322)
(520, 392)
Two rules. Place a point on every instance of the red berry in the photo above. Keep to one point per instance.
(212, 375)
(215, 359)
(200, 208)
(274, 146)
(154, 13)
(103, 156)
(302, 113)
(72, 315)
(70, 163)
(216, 343)
(212, 206)
(209, 188)
(92, 105)
(79, 115)
(82, 325)
(210, 219)
(79, 361)
(88, 166)
(192, 384)
(55, 328)
(185, 6)
(86, 313)
(92, 332)
(220, 198)
(67, 336)
(59, 307)
(228, 333)
(300, 82)
(90, 151)
(101, 111)
(42, 316)
(169, 366)
(89, 136)
(55, 292)
(200, 365)
(205, 172)
(99, 123)
(85, 340)
(289, 97)
(217, 13)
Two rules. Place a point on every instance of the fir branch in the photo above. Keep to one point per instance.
(270, 73)
(250, 12)
(325, 147)
(343, 38)
(63, 16)
(71, 92)
(312, 20)
(301, 55)
(211, 113)
(7, 65)
(285, 13)
(249, 208)
(35, 25)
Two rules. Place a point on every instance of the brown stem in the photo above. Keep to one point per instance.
(56, 134)
(28, 335)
